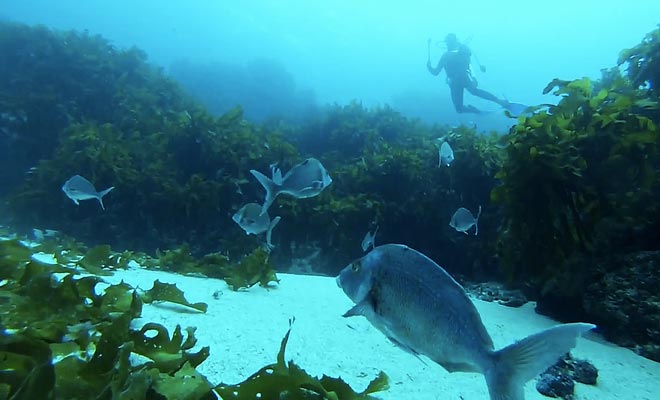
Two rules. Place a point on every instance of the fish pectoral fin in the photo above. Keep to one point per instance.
(363, 308)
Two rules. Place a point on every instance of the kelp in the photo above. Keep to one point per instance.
(577, 176)
(643, 63)
(254, 268)
(179, 172)
(385, 172)
(117, 120)
(65, 337)
(169, 292)
(62, 337)
(286, 380)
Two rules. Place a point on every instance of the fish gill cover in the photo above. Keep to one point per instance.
(564, 191)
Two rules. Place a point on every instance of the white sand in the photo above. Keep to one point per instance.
(244, 330)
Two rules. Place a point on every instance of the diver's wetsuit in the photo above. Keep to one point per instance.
(459, 77)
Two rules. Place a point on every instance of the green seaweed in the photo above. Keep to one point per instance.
(177, 260)
(577, 177)
(62, 338)
(643, 62)
(252, 269)
(168, 354)
(99, 260)
(180, 172)
(169, 292)
(286, 380)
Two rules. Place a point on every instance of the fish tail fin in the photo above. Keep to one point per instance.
(476, 222)
(103, 193)
(521, 361)
(270, 231)
(276, 173)
(269, 185)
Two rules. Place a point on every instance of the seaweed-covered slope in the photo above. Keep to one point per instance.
(76, 105)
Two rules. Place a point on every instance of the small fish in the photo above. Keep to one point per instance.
(304, 180)
(420, 308)
(369, 240)
(38, 235)
(253, 222)
(445, 155)
(50, 233)
(41, 234)
(78, 188)
(462, 220)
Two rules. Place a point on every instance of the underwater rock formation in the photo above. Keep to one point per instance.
(624, 302)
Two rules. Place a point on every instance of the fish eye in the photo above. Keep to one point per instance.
(355, 267)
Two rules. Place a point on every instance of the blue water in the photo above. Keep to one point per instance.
(291, 56)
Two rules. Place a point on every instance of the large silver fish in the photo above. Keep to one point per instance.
(78, 188)
(423, 310)
(253, 222)
(306, 179)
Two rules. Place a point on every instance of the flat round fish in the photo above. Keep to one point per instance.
(419, 306)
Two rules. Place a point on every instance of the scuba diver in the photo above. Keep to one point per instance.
(456, 62)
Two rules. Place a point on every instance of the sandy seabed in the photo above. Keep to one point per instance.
(245, 329)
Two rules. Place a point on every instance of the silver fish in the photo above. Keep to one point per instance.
(78, 188)
(445, 155)
(423, 310)
(41, 234)
(462, 220)
(253, 222)
(369, 240)
(304, 180)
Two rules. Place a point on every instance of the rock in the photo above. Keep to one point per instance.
(624, 301)
(495, 291)
(583, 371)
(555, 385)
(559, 379)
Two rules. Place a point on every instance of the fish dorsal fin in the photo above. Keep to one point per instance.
(276, 174)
